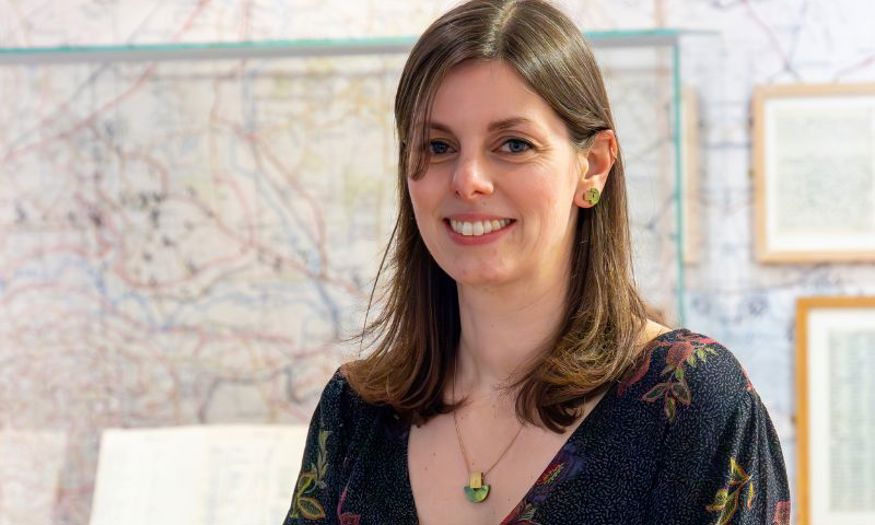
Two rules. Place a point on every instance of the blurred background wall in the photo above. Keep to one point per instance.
(186, 242)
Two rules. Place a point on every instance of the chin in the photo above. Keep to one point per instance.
(477, 276)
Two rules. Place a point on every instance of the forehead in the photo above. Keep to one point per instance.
(479, 92)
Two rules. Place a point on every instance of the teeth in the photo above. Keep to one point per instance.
(476, 229)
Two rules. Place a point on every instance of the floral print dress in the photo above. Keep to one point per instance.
(684, 439)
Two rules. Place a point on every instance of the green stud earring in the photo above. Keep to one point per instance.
(592, 196)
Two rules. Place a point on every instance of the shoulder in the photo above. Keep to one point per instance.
(682, 372)
(340, 406)
(710, 436)
(337, 389)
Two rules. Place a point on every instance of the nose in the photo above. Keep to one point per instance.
(471, 178)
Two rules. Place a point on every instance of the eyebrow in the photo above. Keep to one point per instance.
(493, 126)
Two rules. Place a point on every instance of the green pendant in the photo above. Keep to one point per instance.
(476, 495)
(476, 491)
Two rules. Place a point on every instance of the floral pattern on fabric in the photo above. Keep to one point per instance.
(564, 466)
(304, 503)
(346, 518)
(681, 353)
(782, 513)
(726, 500)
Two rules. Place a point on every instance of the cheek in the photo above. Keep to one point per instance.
(546, 196)
(418, 192)
(424, 195)
(551, 201)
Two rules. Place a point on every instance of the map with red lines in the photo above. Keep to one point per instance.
(185, 242)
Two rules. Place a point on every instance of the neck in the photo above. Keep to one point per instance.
(502, 330)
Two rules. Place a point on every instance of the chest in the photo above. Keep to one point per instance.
(438, 473)
(415, 475)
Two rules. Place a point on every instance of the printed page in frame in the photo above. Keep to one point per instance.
(816, 173)
(836, 363)
(197, 475)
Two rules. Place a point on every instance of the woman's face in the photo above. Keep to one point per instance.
(496, 202)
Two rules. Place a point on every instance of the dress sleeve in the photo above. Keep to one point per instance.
(315, 498)
(722, 465)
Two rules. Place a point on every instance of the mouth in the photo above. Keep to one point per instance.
(478, 228)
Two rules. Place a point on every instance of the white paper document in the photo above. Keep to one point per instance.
(807, 138)
(840, 453)
(209, 475)
(852, 421)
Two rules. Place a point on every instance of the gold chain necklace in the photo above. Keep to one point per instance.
(476, 490)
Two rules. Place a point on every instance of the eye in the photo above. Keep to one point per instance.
(517, 145)
(436, 147)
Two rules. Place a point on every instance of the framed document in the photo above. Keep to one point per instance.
(814, 170)
(835, 389)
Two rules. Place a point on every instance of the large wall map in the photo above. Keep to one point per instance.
(186, 242)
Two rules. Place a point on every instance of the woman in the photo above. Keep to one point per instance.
(517, 376)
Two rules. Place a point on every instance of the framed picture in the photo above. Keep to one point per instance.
(690, 209)
(835, 389)
(814, 171)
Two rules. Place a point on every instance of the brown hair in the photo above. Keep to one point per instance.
(418, 330)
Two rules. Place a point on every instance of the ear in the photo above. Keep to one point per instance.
(596, 163)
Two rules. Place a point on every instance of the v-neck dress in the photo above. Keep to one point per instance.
(682, 439)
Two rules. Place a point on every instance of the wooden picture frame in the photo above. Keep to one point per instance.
(814, 172)
(690, 208)
(835, 403)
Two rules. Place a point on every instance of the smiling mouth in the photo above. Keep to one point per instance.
(478, 228)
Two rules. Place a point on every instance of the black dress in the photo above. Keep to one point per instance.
(682, 440)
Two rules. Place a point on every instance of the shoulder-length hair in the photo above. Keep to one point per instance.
(415, 337)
